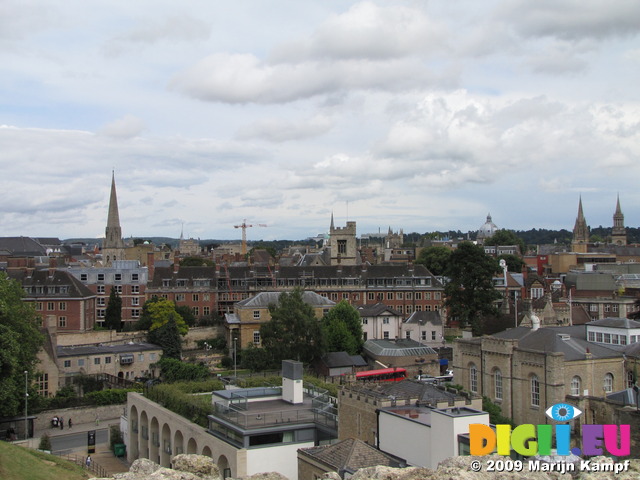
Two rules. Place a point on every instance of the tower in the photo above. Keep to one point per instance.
(113, 246)
(580, 232)
(342, 242)
(618, 232)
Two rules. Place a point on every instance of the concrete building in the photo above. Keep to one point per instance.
(251, 430)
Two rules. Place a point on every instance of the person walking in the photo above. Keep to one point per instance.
(61, 423)
(70, 423)
(88, 461)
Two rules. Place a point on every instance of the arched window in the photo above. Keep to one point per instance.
(535, 391)
(473, 378)
(630, 379)
(497, 383)
(608, 383)
(576, 384)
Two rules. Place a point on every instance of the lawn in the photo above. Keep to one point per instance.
(19, 463)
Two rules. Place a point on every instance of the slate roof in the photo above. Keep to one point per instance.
(422, 318)
(22, 246)
(264, 299)
(571, 341)
(350, 455)
(591, 281)
(375, 310)
(397, 348)
(342, 359)
(425, 393)
(615, 323)
(59, 278)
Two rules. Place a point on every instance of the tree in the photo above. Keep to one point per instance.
(255, 359)
(506, 237)
(342, 329)
(294, 331)
(167, 337)
(435, 259)
(20, 341)
(156, 312)
(470, 292)
(187, 315)
(113, 314)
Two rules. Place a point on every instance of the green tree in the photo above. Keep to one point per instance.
(187, 315)
(167, 337)
(255, 359)
(342, 329)
(20, 341)
(160, 311)
(113, 313)
(435, 259)
(506, 237)
(470, 292)
(293, 332)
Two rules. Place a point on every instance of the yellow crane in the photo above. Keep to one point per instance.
(244, 225)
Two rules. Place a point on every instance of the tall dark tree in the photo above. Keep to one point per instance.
(20, 341)
(470, 294)
(435, 259)
(187, 315)
(167, 337)
(113, 314)
(342, 329)
(294, 331)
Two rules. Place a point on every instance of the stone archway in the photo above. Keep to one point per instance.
(192, 447)
(206, 451)
(223, 465)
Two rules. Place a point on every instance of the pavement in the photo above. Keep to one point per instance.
(104, 462)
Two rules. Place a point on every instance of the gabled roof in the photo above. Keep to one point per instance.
(422, 318)
(376, 310)
(264, 299)
(22, 246)
(60, 278)
(425, 393)
(342, 359)
(350, 455)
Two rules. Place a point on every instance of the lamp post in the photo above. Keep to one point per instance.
(235, 349)
(26, 398)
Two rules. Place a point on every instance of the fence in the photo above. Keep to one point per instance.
(81, 460)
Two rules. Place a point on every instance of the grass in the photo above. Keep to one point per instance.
(20, 463)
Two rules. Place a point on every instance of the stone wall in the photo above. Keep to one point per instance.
(81, 415)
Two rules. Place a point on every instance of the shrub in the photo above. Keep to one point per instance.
(115, 436)
(45, 442)
(173, 370)
(108, 397)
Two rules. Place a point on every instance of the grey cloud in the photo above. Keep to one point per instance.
(128, 126)
(276, 130)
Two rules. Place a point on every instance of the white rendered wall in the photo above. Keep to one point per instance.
(282, 459)
(406, 439)
(446, 429)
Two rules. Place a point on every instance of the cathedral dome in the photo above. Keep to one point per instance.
(487, 229)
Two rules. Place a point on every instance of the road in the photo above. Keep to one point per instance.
(74, 441)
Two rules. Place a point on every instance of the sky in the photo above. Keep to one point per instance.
(415, 115)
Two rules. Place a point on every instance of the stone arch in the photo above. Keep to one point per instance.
(223, 465)
(154, 440)
(166, 449)
(192, 447)
(206, 451)
(178, 443)
(134, 433)
(143, 445)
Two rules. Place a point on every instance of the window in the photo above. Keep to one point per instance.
(599, 337)
(135, 301)
(399, 308)
(152, 357)
(535, 391)
(614, 308)
(101, 301)
(593, 307)
(433, 334)
(67, 364)
(385, 335)
(497, 380)
(630, 380)
(107, 359)
(206, 310)
(62, 306)
(607, 308)
(100, 289)
(96, 361)
(342, 246)
(399, 296)
(424, 335)
(436, 295)
(81, 362)
(345, 296)
(118, 277)
(608, 383)
(134, 277)
(101, 277)
(576, 385)
(427, 295)
(256, 337)
(84, 277)
(42, 381)
(592, 336)
(623, 340)
(135, 289)
(537, 292)
(389, 295)
(62, 321)
(195, 311)
(166, 282)
(385, 321)
(409, 295)
(409, 309)
(100, 313)
(118, 288)
(256, 314)
(365, 321)
(371, 296)
(407, 334)
(196, 297)
(135, 313)
(473, 378)
(179, 297)
(418, 295)
(51, 306)
(607, 338)
(141, 357)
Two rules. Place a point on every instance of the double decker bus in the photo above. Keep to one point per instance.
(382, 375)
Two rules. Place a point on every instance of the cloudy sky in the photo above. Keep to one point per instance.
(420, 115)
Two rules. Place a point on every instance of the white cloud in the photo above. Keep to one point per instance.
(278, 130)
(128, 126)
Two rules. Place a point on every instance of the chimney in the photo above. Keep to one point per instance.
(176, 265)
(292, 382)
(151, 265)
(53, 263)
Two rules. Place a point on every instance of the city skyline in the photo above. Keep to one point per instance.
(410, 115)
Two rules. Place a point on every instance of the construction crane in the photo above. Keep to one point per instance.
(244, 225)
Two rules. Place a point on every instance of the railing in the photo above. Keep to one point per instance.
(81, 460)
(256, 419)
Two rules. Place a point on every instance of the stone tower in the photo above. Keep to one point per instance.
(618, 232)
(113, 246)
(342, 242)
(580, 232)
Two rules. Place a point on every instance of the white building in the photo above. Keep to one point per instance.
(380, 322)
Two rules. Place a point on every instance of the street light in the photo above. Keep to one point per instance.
(26, 397)
(235, 349)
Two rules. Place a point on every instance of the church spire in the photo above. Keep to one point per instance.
(580, 230)
(113, 219)
(113, 246)
(618, 232)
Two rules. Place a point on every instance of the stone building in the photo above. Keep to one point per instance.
(618, 232)
(343, 246)
(525, 370)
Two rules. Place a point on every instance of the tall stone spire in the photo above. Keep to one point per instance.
(618, 232)
(113, 246)
(580, 232)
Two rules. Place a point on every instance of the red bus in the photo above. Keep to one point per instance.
(382, 375)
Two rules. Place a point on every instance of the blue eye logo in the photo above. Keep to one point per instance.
(563, 412)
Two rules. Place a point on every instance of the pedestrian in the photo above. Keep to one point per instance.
(88, 462)
(97, 420)
(70, 423)
(61, 423)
